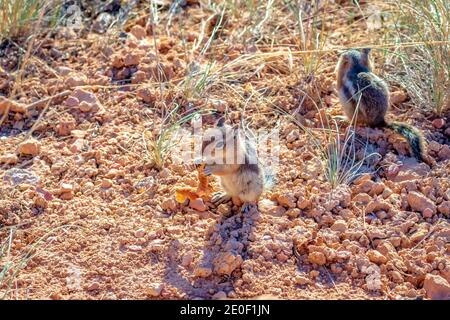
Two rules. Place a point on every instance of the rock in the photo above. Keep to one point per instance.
(386, 193)
(55, 53)
(378, 205)
(224, 209)
(66, 195)
(438, 123)
(134, 248)
(314, 274)
(102, 22)
(146, 95)
(169, 204)
(85, 107)
(302, 280)
(434, 146)
(447, 132)
(29, 147)
(56, 296)
(427, 213)
(155, 289)
(187, 259)
(292, 136)
(381, 215)
(346, 214)
(364, 187)
(418, 202)
(164, 173)
(419, 235)
(362, 198)
(392, 170)
(376, 257)
(410, 170)
(220, 295)
(21, 176)
(226, 262)
(446, 274)
(140, 233)
(117, 61)
(444, 153)
(63, 71)
(75, 80)
(132, 59)
(9, 158)
(396, 276)
(138, 32)
(436, 287)
(377, 188)
(93, 286)
(106, 183)
(12, 105)
(139, 77)
(198, 205)
(66, 187)
(293, 213)
(156, 245)
(398, 97)
(282, 257)
(317, 258)
(72, 102)
(373, 278)
(287, 200)
(40, 201)
(87, 100)
(77, 145)
(145, 183)
(303, 203)
(339, 226)
(64, 128)
(203, 272)
(278, 211)
(113, 173)
(443, 208)
(269, 207)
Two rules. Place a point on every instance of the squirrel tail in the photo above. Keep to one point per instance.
(412, 135)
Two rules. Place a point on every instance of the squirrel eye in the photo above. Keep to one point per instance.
(219, 144)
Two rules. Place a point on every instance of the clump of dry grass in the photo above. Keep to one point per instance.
(18, 16)
(343, 157)
(424, 70)
(159, 146)
(11, 265)
(310, 19)
(343, 160)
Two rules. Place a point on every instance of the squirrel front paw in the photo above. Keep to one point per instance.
(219, 198)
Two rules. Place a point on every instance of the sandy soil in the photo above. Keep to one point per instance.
(99, 220)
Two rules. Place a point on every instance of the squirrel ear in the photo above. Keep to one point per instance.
(366, 51)
(365, 56)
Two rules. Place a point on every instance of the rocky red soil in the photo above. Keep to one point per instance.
(81, 196)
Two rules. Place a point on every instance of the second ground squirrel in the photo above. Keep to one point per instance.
(363, 92)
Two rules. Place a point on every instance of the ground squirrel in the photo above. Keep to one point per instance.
(236, 163)
(357, 84)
